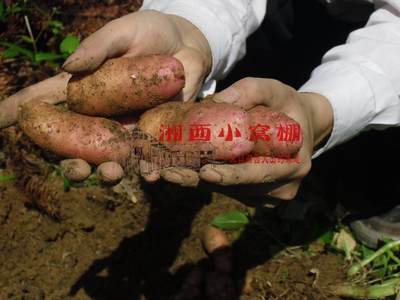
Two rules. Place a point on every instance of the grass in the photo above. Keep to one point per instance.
(372, 274)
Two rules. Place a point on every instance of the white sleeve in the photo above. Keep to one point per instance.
(361, 78)
(225, 23)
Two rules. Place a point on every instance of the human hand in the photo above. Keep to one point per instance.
(140, 33)
(279, 180)
(144, 33)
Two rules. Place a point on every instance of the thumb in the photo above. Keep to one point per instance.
(250, 92)
(111, 40)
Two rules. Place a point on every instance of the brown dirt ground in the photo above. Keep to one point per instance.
(96, 243)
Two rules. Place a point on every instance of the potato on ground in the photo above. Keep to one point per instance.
(217, 246)
(68, 134)
(126, 84)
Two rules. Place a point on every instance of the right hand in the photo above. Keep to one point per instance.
(140, 33)
(147, 32)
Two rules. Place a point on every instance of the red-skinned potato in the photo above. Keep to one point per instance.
(274, 147)
(193, 117)
(68, 134)
(217, 117)
(126, 84)
(228, 127)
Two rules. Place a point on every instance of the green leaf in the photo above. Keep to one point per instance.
(9, 53)
(15, 8)
(14, 50)
(27, 39)
(56, 23)
(46, 56)
(92, 180)
(231, 220)
(69, 44)
(327, 237)
(55, 26)
(66, 183)
(366, 252)
(4, 178)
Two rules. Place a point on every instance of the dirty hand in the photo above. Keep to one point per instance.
(280, 180)
(140, 33)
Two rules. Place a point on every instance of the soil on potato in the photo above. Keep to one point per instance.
(140, 242)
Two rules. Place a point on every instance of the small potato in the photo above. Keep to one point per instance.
(68, 134)
(110, 172)
(281, 127)
(214, 240)
(75, 169)
(126, 84)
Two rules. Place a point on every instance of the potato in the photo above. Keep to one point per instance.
(197, 120)
(214, 239)
(168, 114)
(126, 84)
(228, 126)
(216, 244)
(280, 124)
(75, 169)
(110, 172)
(68, 134)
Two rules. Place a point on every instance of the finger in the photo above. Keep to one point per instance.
(250, 92)
(253, 172)
(182, 176)
(287, 191)
(52, 90)
(75, 169)
(149, 171)
(112, 40)
(195, 73)
(110, 172)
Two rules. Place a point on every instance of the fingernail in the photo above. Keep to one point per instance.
(229, 95)
(172, 177)
(210, 174)
(73, 57)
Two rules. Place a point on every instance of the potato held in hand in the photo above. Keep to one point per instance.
(69, 134)
(201, 125)
(227, 130)
(284, 132)
(126, 84)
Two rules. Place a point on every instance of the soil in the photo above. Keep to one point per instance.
(96, 242)
(105, 243)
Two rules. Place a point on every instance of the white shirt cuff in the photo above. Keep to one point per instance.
(351, 90)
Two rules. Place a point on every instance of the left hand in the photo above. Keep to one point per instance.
(279, 180)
